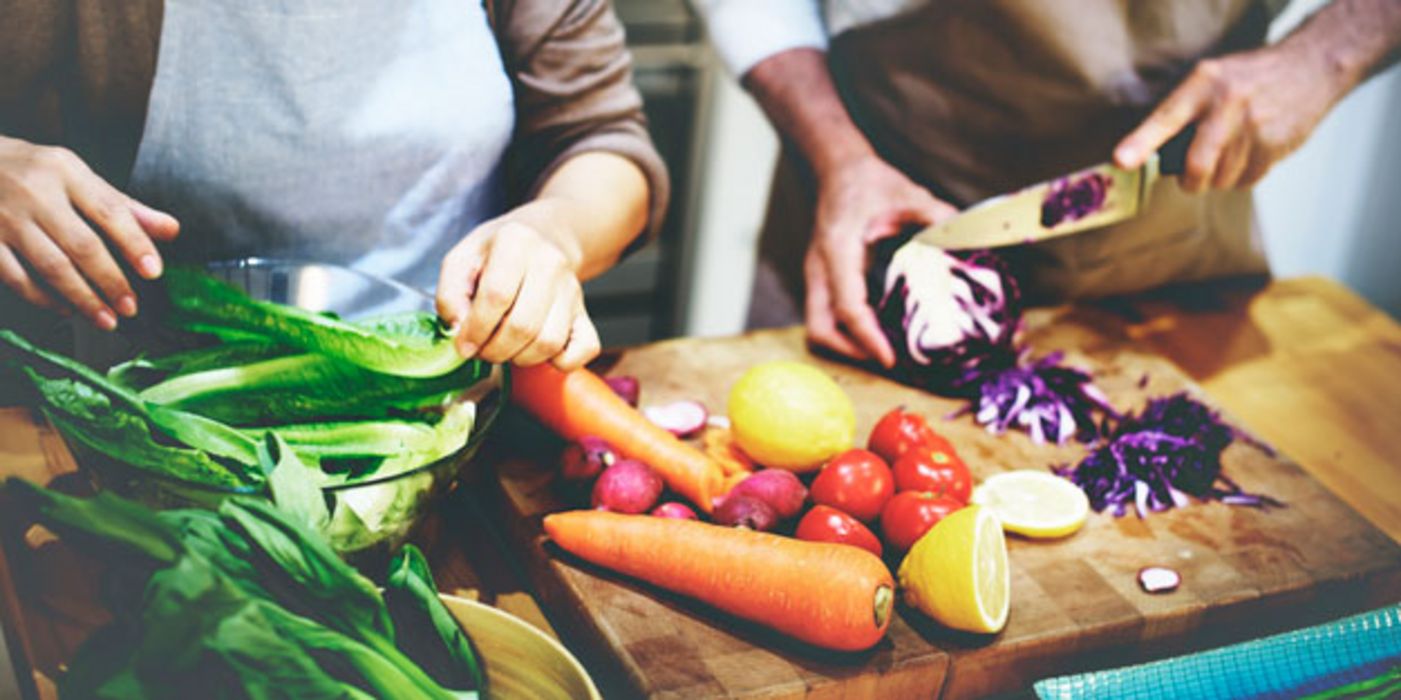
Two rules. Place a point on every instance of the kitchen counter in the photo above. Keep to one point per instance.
(1308, 366)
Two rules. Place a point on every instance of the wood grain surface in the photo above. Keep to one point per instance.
(1076, 603)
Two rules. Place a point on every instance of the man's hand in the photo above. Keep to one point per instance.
(54, 216)
(860, 199)
(858, 203)
(512, 289)
(1256, 107)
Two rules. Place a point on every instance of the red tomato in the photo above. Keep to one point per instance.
(899, 431)
(910, 514)
(855, 482)
(827, 524)
(935, 471)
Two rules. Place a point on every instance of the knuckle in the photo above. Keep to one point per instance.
(516, 332)
(86, 247)
(495, 298)
(56, 158)
(50, 266)
(1209, 69)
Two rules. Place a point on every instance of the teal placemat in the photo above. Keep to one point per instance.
(1288, 665)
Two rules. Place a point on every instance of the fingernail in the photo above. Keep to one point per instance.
(149, 266)
(106, 321)
(126, 306)
(1125, 155)
(467, 349)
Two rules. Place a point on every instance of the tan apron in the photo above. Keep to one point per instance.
(972, 98)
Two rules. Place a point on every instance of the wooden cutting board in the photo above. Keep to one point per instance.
(1075, 603)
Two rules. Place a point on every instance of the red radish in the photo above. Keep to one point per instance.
(586, 458)
(827, 524)
(680, 418)
(779, 488)
(674, 510)
(1158, 579)
(579, 403)
(628, 486)
(625, 386)
(746, 512)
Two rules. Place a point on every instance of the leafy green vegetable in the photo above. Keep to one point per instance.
(243, 603)
(295, 487)
(144, 371)
(90, 419)
(79, 405)
(307, 387)
(446, 654)
(197, 298)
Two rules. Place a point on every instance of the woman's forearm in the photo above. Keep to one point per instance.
(592, 206)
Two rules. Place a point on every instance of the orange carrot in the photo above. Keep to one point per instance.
(833, 596)
(579, 403)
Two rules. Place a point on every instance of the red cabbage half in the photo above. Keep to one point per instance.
(954, 321)
(1152, 461)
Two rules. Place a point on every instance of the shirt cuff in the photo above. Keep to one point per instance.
(746, 32)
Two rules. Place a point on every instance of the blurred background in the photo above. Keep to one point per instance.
(1333, 208)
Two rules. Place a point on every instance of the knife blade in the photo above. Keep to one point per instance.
(1086, 199)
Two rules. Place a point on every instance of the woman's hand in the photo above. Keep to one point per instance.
(512, 289)
(56, 219)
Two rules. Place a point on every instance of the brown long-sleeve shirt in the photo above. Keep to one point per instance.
(78, 73)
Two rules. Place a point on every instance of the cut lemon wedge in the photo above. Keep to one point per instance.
(957, 572)
(1034, 503)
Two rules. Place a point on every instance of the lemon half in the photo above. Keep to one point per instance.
(957, 572)
(1034, 503)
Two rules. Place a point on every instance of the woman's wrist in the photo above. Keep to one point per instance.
(552, 218)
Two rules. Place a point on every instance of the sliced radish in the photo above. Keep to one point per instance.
(625, 386)
(1158, 579)
(681, 418)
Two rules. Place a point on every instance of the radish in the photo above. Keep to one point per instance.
(628, 486)
(779, 488)
(586, 458)
(681, 418)
(674, 510)
(746, 512)
(1158, 579)
(625, 386)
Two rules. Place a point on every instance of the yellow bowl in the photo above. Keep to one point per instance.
(521, 661)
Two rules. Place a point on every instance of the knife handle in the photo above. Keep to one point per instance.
(1172, 157)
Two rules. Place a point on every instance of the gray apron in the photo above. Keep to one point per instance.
(972, 98)
(358, 132)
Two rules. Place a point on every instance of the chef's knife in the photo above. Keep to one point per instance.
(1086, 199)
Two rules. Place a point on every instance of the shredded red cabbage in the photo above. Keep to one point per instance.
(1074, 198)
(1154, 460)
(954, 321)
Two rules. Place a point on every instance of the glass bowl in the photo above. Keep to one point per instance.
(368, 518)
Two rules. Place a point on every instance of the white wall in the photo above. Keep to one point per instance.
(1333, 208)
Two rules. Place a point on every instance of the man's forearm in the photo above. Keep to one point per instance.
(795, 89)
(1350, 38)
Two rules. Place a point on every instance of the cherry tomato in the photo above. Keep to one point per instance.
(827, 524)
(910, 514)
(935, 471)
(855, 482)
(899, 431)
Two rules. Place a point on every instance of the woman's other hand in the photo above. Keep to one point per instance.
(512, 289)
(59, 226)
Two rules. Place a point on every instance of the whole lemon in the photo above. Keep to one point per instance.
(790, 415)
